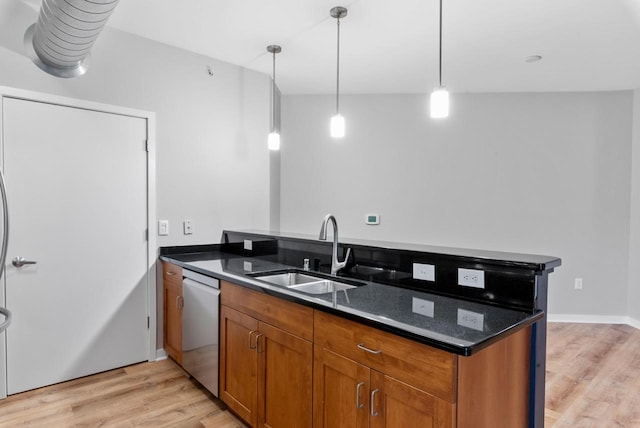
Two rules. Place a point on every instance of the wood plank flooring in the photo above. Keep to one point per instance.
(157, 394)
(593, 380)
(593, 376)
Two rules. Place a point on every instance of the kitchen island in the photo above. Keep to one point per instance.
(480, 341)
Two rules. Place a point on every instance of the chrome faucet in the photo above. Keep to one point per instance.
(335, 264)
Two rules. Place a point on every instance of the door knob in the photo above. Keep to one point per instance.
(20, 261)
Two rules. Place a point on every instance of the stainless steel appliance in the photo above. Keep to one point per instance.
(200, 335)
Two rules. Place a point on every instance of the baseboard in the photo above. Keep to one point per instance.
(161, 354)
(594, 319)
(634, 322)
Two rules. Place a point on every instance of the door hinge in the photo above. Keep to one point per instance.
(146, 234)
(146, 145)
(148, 323)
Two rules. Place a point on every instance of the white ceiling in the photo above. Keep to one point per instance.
(392, 46)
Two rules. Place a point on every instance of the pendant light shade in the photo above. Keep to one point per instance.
(337, 125)
(273, 139)
(440, 103)
(440, 96)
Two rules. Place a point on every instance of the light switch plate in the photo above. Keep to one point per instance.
(424, 272)
(163, 227)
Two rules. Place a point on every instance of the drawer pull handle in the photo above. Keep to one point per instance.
(170, 273)
(251, 333)
(371, 351)
(179, 302)
(373, 402)
(258, 343)
(359, 405)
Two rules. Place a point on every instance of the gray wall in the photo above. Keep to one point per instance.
(212, 160)
(532, 173)
(634, 237)
(212, 163)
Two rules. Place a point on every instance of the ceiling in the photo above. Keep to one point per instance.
(392, 46)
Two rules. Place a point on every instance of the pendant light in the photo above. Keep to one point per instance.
(273, 140)
(337, 121)
(440, 96)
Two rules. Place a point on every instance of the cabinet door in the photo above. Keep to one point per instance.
(341, 391)
(239, 363)
(173, 317)
(397, 404)
(285, 367)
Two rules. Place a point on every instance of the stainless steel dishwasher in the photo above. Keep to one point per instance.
(200, 335)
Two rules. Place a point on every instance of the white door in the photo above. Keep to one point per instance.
(76, 185)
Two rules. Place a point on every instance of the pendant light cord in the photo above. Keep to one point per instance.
(440, 58)
(273, 95)
(338, 71)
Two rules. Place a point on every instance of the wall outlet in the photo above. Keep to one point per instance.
(163, 227)
(422, 307)
(471, 319)
(248, 244)
(424, 272)
(187, 227)
(578, 284)
(471, 278)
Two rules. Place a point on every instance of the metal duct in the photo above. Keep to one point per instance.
(65, 32)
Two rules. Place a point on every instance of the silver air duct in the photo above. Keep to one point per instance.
(59, 43)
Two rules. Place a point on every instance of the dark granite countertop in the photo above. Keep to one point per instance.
(454, 325)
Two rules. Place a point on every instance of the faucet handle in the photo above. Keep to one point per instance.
(343, 263)
(346, 256)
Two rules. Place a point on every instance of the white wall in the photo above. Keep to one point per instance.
(212, 160)
(634, 237)
(531, 173)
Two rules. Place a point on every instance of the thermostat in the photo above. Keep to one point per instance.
(372, 219)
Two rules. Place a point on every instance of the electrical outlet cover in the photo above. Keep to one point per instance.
(471, 278)
(424, 272)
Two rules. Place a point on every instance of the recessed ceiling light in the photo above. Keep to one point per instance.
(533, 58)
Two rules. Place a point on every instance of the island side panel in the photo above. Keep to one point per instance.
(493, 384)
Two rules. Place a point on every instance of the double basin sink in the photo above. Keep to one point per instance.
(305, 282)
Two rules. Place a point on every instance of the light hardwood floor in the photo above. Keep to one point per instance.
(157, 394)
(593, 376)
(593, 380)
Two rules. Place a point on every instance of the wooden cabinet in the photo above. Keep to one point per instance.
(173, 303)
(364, 377)
(239, 363)
(361, 377)
(285, 365)
(266, 358)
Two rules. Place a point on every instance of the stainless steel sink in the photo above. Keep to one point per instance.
(322, 287)
(288, 279)
(305, 282)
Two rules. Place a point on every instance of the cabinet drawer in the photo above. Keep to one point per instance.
(171, 273)
(291, 317)
(422, 366)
